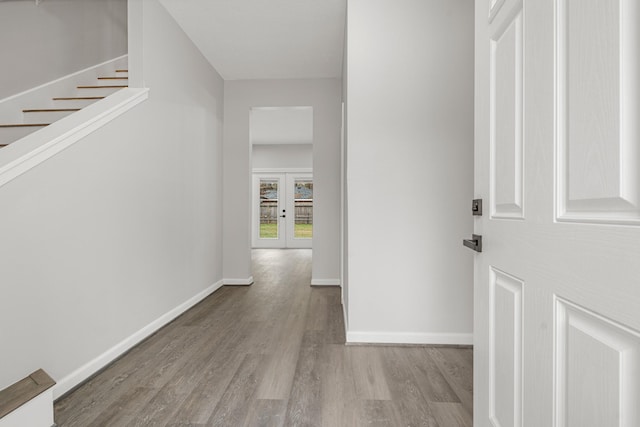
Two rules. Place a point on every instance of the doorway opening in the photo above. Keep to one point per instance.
(282, 183)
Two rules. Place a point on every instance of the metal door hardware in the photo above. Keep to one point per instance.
(476, 207)
(474, 243)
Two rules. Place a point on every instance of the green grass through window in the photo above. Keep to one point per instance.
(301, 231)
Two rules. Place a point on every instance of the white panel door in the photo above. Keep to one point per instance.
(557, 162)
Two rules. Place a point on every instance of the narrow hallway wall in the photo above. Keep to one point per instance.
(409, 95)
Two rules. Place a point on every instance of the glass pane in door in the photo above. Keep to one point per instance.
(303, 203)
(269, 196)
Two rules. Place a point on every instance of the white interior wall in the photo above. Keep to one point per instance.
(279, 156)
(57, 37)
(410, 170)
(277, 125)
(121, 228)
(240, 96)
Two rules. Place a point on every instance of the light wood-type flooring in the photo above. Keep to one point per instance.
(273, 354)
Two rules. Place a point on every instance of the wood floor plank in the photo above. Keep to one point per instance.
(266, 413)
(205, 396)
(429, 379)
(335, 332)
(304, 408)
(458, 371)
(159, 408)
(122, 411)
(451, 414)
(368, 373)
(380, 413)
(318, 316)
(406, 395)
(231, 410)
(338, 394)
(278, 379)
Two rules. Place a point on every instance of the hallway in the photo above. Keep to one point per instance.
(273, 354)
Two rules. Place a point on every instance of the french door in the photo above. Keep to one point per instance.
(282, 210)
(557, 162)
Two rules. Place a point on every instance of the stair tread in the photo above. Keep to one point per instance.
(79, 98)
(16, 395)
(50, 110)
(122, 71)
(113, 78)
(24, 125)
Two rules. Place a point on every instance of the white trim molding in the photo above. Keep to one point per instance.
(359, 337)
(84, 372)
(238, 282)
(325, 282)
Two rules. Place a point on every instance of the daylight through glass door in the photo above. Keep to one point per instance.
(269, 201)
(303, 205)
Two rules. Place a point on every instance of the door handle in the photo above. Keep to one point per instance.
(474, 243)
(283, 216)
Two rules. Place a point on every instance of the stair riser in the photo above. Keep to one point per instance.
(9, 135)
(73, 103)
(96, 92)
(45, 117)
(120, 80)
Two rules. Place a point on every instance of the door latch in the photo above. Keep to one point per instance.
(474, 243)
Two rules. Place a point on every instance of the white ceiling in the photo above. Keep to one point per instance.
(266, 39)
(281, 125)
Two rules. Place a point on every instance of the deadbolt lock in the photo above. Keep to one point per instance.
(476, 207)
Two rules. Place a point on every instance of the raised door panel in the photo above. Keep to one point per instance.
(597, 370)
(598, 95)
(505, 350)
(506, 139)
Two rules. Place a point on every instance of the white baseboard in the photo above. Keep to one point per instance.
(84, 372)
(238, 282)
(325, 282)
(408, 338)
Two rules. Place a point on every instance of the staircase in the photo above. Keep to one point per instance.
(37, 117)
